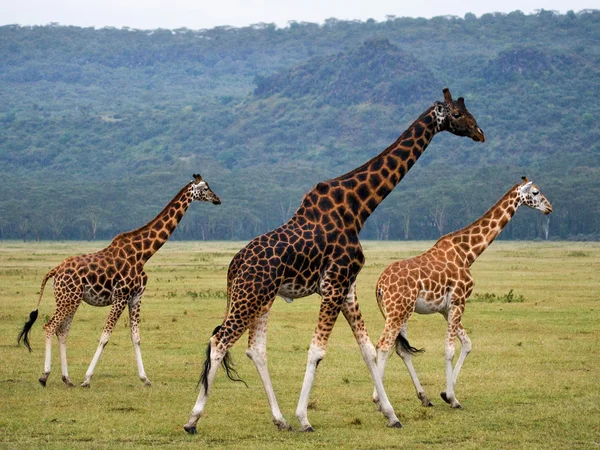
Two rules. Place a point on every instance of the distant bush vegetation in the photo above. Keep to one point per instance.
(100, 128)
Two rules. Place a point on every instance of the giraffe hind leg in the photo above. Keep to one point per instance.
(257, 352)
(62, 333)
(60, 319)
(406, 351)
(215, 356)
(226, 362)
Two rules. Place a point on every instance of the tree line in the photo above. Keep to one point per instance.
(100, 127)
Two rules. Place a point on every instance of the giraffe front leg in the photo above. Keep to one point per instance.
(257, 352)
(353, 315)
(465, 349)
(316, 353)
(115, 311)
(134, 320)
(382, 356)
(328, 313)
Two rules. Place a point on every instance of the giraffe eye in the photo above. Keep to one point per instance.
(456, 115)
(535, 192)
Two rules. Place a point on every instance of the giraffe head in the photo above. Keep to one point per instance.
(202, 192)
(530, 195)
(454, 117)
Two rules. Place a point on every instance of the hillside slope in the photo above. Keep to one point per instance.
(99, 128)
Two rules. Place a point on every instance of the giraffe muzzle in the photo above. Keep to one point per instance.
(216, 200)
(478, 135)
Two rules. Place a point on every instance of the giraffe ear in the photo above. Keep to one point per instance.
(447, 95)
(525, 180)
(461, 103)
(526, 187)
(198, 177)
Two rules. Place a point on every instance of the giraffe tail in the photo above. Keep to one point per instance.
(401, 341)
(227, 364)
(33, 315)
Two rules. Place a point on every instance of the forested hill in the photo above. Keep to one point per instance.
(99, 128)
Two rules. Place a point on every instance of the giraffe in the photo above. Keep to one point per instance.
(113, 276)
(318, 251)
(439, 280)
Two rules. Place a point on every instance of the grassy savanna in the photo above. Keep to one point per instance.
(531, 380)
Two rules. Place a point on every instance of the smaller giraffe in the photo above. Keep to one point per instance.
(113, 276)
(439, 280)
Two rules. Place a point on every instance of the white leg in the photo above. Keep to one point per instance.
(62, 333)
(448, 396)
(257, 352)
(90, 372)
(216, 356)
(465, 349)
(63, 361)
(47, 361)
(382, 357)
(113, 316)
(407, 359)
(353, 315)
(59, 323)
(134, 317)
(315, 355)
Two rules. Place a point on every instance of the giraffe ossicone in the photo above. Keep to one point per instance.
(440, 281)
(113, 276)
(318, 251)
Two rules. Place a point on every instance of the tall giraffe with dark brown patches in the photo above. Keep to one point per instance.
(439, 280)
(318, 251)
(113, 276)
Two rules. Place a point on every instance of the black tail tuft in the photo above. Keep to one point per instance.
(204, 376)
(406, 346)
(226, 363)
(24, 334)
(232, 374)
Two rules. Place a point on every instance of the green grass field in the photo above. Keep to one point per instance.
(531, 381)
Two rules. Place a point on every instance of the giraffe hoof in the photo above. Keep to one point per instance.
(85, 384)
(42, 381)
(147, 383)
(444, 397)
(395, 425)
(283, 426)
(190, 430)
(457, 406)
(309, 429)
(68, 382)
(424, 400)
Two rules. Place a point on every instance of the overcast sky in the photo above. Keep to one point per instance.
(198, 14)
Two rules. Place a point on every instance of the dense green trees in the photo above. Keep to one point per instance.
(99, 128)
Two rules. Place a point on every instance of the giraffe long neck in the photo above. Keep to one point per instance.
(470, 242)
(147, 240)
(351, 198)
